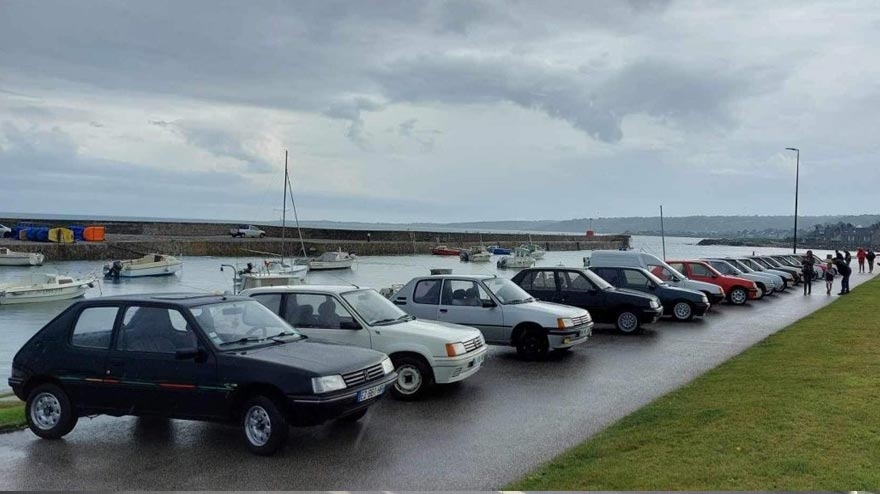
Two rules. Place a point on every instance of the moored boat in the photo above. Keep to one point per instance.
(332, 260)
(274, 273)
(149, 265)
(42, 287)
(533, 249)
(12, 258)
(521, 258)
(499, 251)
(442, 250)
(476, 254)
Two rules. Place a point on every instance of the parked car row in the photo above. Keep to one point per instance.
(302, 355)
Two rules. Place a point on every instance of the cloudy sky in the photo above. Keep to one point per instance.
(439, 110)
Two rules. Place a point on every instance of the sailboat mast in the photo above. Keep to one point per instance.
(284, 209)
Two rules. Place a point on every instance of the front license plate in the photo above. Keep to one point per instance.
(476, 361)
(366, 394)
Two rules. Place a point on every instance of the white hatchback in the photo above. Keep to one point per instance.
(423, 352)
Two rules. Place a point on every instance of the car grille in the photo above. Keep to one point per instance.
(577, 321)
(474, 344)
(363, 375)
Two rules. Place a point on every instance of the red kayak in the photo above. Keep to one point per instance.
(442, 250)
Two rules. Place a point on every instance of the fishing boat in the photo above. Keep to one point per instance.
(442, 250)
(533, 249)
(11, 258)
(499, 251)
(148, 265)
(476, 254)
(42, 287)
(332, 260)
(521, 258)
(272, 273)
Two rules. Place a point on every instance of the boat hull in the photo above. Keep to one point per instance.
(31, 260)
(41, 295)
(445, 252)
(140, 272)
(328, 265)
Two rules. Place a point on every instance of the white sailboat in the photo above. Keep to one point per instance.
(148, 265)
(12, 258)
(332, 260)
(42, 287)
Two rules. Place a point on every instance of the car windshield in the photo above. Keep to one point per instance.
(650, 276)
(739, 265)
(764, 264)
(597, 280)
(233, 325)
(719, 265)
(773, 263)
(506, 291)
(375, 309)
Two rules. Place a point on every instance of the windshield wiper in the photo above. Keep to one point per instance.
(245, 339)
(277, 338)
(521, 301)
(384, 322)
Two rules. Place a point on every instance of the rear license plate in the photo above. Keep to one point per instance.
(366, 394)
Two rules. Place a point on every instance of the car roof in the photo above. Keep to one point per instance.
(307, 288)
(186, 299)
(458, 276)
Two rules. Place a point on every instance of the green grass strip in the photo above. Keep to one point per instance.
(11, 416)
(799, 411)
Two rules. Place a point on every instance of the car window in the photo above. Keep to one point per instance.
(574, 282)
(608, 274)
(677, 266)
(154, 330)
(373, 308)
(461, 292)
(271, 301)
(526, 282)
(427, 292)
(700, 270)
(241, 323)
(314, 310)
(635, 279)
(94, 327)
(661, 272)
(544, 280)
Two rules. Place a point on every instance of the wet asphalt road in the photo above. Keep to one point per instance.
(480, 434)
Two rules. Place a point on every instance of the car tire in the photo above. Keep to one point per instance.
(414, 378)
(263, 425)
(49, 413)
(354, 417)
(683, 310)
(627, 322)
(262, 235)
(532, 345)
(738, 296)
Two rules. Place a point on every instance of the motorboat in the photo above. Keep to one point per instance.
(442, 250)
(477, 254)
(272, 273)
(533, 249)
(148, 265)
(332, 260)
(43, 287)
(521, 258)
(12, 258)
(499, 251)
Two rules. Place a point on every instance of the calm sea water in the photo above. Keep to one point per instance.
(20, 322)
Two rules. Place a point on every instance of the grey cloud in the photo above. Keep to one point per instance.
(217, 141)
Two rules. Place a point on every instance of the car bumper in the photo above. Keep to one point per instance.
(17, 385)
(715, 298)
(450, 370)
(753, 294)
(315, 409)
(567, 339)
(700, 309)
(649, 316)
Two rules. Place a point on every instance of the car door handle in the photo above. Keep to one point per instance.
(443, 311)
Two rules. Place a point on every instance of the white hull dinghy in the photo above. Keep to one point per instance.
(149, 265)
(44, 288)
(12, 258)
(332, 260)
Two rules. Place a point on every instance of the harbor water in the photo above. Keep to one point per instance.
(202, 274)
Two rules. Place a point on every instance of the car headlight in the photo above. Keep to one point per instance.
(564, 322)
(655, 304)
(455, 349)
(705, 299)
(387, 366)
(325, 384)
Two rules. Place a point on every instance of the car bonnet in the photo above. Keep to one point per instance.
(320, 357)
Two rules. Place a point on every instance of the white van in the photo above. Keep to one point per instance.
(623, 258)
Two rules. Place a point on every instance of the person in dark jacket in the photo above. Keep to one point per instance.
(844, 270)
(869, 255)
(807, 271)
(847, 258)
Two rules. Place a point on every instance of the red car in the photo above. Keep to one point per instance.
(738, 290)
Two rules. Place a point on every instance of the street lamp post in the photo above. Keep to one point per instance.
(796, 177)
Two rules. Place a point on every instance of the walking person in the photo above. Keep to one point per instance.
(830, 273)
(807, 271)
(870, 257)
(845, 271)
(860, 255)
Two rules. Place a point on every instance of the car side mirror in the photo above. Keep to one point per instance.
(488, 304)
(193, 353)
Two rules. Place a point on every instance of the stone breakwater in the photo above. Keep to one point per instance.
(128, 239)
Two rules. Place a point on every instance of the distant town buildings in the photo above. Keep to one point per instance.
(845, 236)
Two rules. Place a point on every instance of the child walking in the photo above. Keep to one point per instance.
(830, 273)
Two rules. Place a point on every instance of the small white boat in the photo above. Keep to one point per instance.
(44, 288)
(332, 260)
(535, 251)
(12, 258)
(477, 254)
(521, 258)
(273, 273)
(149, 265)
